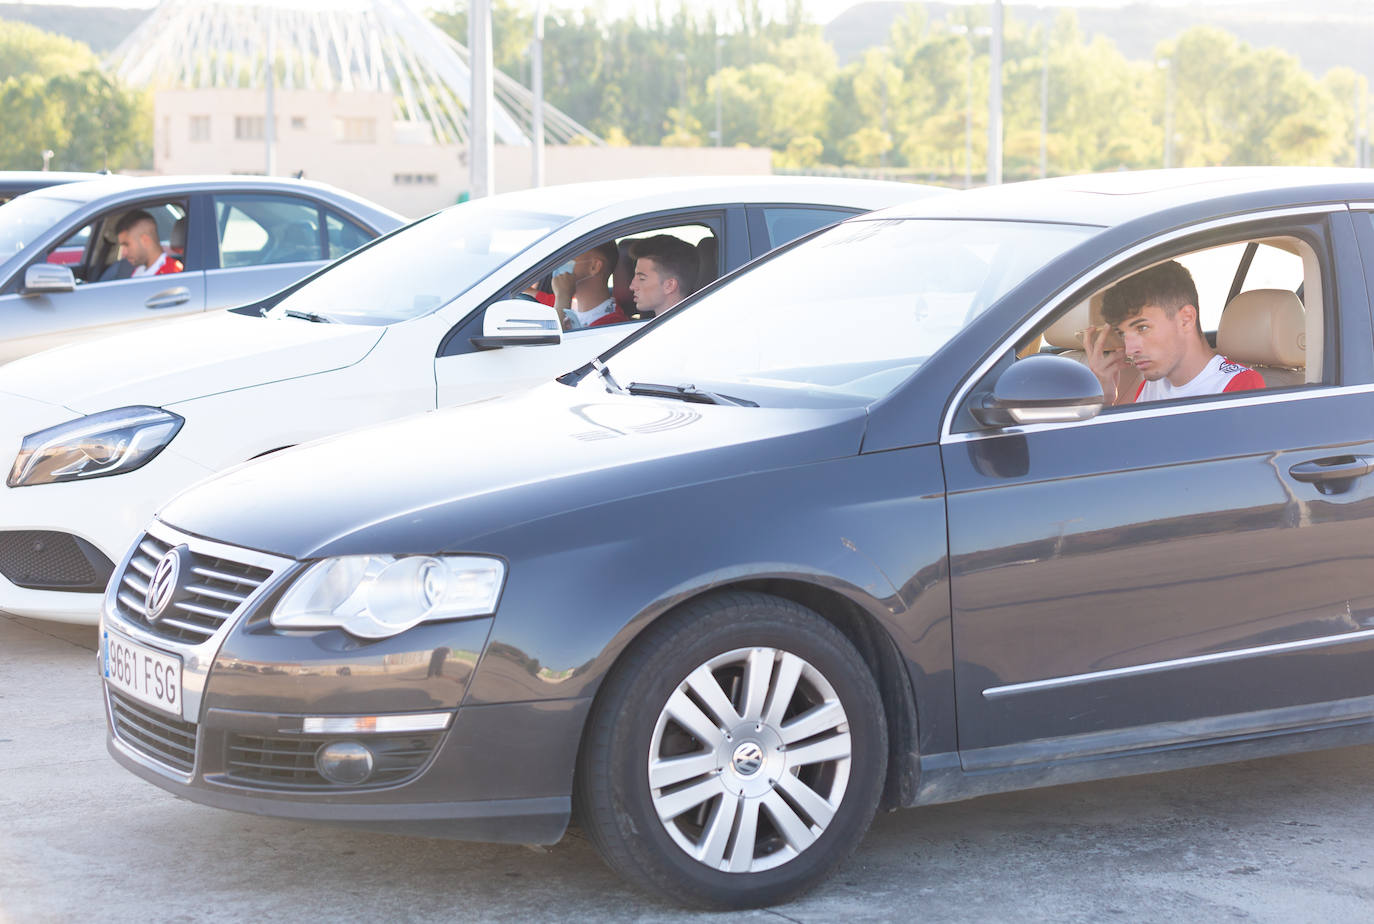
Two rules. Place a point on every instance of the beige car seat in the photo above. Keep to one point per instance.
(1266, 329)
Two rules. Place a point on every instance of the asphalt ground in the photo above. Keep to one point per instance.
(1286, 839)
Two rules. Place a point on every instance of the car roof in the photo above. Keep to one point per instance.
(92, 190)
(1110, 199)
(650, 193)
(37, 179)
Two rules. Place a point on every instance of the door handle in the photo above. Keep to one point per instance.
(169, 297)
(1336, 468)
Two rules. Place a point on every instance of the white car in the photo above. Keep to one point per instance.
(98, 435)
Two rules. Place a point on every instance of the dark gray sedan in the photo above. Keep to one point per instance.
(236, 239)
(853, 529)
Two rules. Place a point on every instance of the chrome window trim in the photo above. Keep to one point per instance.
(1361, 206)
(1155, 667)
(1160, 410)
(1059, 299)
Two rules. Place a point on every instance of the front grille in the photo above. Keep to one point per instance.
(42, 559)
(166, 739)
(211, 593)
(289, 762)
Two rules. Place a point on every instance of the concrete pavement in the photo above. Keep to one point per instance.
(1286, 839)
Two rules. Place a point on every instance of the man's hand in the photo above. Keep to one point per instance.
(1105, 364)
(563, 286)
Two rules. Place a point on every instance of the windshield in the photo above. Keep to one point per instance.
(845, 317)
(25, 218)
(421, 268)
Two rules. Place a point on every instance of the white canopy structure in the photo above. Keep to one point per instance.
(339, 45)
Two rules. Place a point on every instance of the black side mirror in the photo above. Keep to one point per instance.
(1040, 389)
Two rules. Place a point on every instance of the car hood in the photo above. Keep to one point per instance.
(181, 359)
(436, 481)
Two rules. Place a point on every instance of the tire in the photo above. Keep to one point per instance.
(680, 764)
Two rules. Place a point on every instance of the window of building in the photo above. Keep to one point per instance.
(298, 123)
(415, 179)
(355, 129)
(249, 128)
(200, 128)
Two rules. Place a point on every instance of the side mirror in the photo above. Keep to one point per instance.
(518, 322)
(1040, 389)
(43, 278)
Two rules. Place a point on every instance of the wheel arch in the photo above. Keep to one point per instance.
(873, 644)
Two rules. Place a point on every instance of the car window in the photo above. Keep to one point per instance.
(789, 223)
(925, 281)
(344, 236)
(422, 267)
(93, 251)
(1271, 334)
(28, 217)
(699, 258)
(259, 229)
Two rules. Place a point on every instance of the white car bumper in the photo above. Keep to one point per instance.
(108, 513)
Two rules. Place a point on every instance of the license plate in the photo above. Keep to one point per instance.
(147, 675)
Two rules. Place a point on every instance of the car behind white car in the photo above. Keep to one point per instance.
(97, 436)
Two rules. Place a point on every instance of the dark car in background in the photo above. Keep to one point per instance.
(237, 238)
(851, 530)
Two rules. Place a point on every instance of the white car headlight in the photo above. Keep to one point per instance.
(108, 443)
(377, 596)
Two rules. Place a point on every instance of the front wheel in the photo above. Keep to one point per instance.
(736, 754)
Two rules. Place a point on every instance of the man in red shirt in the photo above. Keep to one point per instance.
(139, 244)
(1154, 312)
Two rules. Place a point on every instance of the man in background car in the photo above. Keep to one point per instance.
(666, 270)
(139, 244)
(582, 289)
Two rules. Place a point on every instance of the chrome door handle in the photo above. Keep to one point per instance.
(1337, 468)
(169, 297)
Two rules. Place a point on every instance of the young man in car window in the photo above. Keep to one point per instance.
(666, 270)
(139, 244)
(1154, 312)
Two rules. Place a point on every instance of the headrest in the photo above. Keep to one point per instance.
(176, 239)
(1264, 327)
(1062, 334)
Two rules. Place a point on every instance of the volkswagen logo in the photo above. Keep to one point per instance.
(163, 585)
(748, 759)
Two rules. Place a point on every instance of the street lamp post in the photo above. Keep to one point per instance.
(1167, 65)
(481, 147)
(995, 98)
(1045, 107)
(720, 131)
(537, 88)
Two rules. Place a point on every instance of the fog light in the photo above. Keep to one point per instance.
(345, 762)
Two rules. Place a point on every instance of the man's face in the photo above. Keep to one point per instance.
(1156, 343)
(138, 247)
(651, 289)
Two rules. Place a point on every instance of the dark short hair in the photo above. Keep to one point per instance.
(673, 256)
(133, 219)
(1168, 286)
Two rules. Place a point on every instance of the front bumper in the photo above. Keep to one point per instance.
(254, 705)
(108, 513)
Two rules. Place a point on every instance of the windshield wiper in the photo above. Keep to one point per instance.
(688, 393)
(309, 316)
(604, 371)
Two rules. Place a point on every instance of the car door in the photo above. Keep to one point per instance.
(1169, 573)
(463, 372)
(99, 306)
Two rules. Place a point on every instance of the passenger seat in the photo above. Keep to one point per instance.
(1266, 329)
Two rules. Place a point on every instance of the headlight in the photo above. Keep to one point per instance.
(377, 596)
(108, 443)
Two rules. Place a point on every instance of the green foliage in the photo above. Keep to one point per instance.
(919, 103)
(55, 98)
